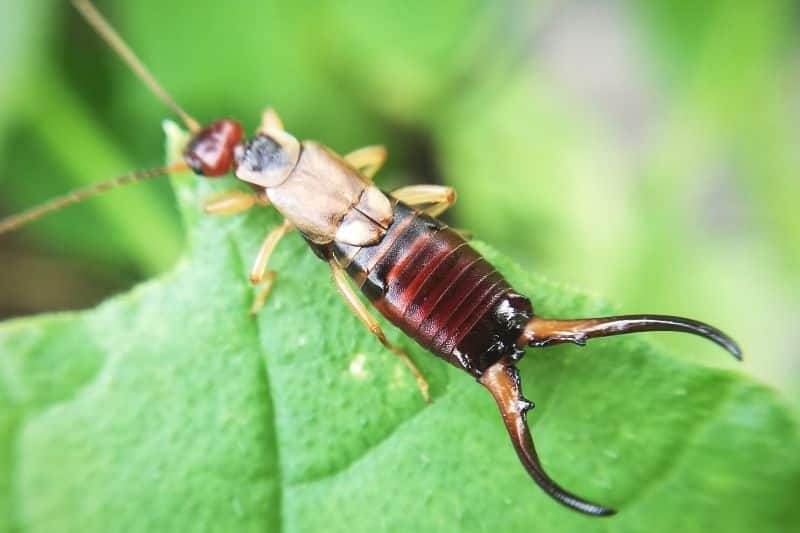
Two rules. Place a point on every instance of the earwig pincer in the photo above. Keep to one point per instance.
(421, 275)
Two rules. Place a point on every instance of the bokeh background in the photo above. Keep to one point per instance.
(644, 151)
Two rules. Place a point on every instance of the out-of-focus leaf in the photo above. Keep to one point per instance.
(57, 144)
(683, 220)
(23, 31)
(529, 179)
(406, 58)
(129, 222)
(719, 186)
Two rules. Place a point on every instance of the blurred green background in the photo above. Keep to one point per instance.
(646, 151)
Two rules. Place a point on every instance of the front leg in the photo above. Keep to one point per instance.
(232, 202)
(359, 309)
(270, 121)
(259, 273)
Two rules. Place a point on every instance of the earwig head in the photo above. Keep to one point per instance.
(267, 159)
(210, 153)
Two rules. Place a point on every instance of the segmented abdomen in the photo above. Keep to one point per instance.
(430, 283)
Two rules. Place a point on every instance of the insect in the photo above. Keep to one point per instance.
(421, 275)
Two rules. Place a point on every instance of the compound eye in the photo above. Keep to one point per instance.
(210, 153)
(267, 159)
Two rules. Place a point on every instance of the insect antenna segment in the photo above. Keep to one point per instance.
(110, 35)
(15, 222)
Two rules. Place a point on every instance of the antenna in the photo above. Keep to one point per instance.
(15, 222)
(101, 25)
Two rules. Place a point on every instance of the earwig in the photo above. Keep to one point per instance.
(421, 275)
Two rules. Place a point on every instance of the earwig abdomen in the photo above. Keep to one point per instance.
(430, 283)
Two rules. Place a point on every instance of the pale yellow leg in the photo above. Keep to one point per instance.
(259, 273)
(359, 309)
(367, 160)
(261, 295)
(270, 121)
(436, 198)
(233, 202)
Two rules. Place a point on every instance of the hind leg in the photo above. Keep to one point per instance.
(359, 309)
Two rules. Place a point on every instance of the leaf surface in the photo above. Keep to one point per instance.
(170, 409)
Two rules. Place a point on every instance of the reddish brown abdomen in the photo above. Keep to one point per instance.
(430, 283)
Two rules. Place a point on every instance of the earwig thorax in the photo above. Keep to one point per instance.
(267, 159)
(210, 152)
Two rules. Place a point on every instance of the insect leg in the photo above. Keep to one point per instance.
(436, 198)
(359, 309)
(233, 202)
(270, 120)
(502, 380)
(367, 160)
(259, 273)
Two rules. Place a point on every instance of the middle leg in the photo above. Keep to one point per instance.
(436, 199)
(367, 160)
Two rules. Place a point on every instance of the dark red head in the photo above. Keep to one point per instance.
(210, 152)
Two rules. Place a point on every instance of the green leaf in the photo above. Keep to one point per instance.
(170, 409)
(34, 97)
